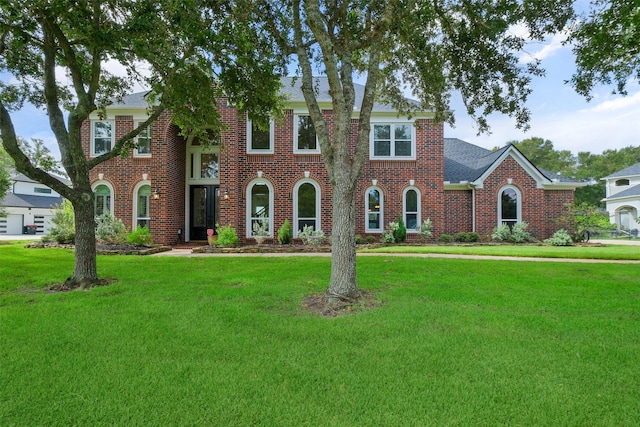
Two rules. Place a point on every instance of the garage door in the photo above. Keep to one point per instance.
(11, 224)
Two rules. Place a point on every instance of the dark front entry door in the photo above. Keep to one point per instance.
(204, 211)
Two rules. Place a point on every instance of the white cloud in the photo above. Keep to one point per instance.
(609, 124)
(544, 50)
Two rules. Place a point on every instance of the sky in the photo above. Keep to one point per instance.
(558, 113)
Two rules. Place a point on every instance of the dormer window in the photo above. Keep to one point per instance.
(622, 182)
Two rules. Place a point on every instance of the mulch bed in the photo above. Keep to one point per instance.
(107, 249)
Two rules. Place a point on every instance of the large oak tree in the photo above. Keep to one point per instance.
(434, 46)
(606, 42)
(187, 52)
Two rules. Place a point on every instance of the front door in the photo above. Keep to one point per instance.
(204, 210)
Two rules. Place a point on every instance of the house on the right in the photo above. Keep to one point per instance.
(623, 198)
(485, 188)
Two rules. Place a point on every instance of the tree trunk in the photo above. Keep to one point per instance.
(343, 282)
(85, 273)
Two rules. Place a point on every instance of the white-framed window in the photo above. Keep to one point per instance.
(393, 141)
(259, 141)
(374, 202)
(411, 208)
(260, 204)
(102, 136)
(203, 162)
(142, 205)
(306, 205)
(143, 142)
(305, 139)
(509, 206)
(103, 197)
(622, 182)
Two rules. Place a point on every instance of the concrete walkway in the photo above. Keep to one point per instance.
(189, 254)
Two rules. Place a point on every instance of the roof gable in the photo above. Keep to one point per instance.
(468, 163)
(626, 172)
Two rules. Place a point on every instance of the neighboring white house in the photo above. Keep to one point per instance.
(623, 198)
(28, 203)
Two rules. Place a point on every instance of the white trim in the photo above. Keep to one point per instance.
(271, 138)
(248, 217)
(419, 206)
(92, 141)
(296, 187)
(392, 155)
(134, 223)
(500, 220)
(541, 180)
(135, 150)
(297, 150)
(107, 184)
(366, 210)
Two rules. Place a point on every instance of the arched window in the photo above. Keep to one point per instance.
(102, 199)
(306, 206)
(411, 209)
(622, 182)
(374, 201)
(509, 206)
(142, 206)
(260, 206)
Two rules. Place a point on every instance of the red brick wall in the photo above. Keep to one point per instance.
(458, 210)
(539, 207)
(450, 211)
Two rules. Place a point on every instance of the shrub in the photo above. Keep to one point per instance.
(400, 233)
(519, 233)
(501, 233)
(64, 227)
(560, 238)
(285, 233)
(516, 234)
(227, 236)
(140, 236)
(110, 229)
(578, 219)
(387, 237)
(467, 237)
(261, 229)
(445, 238)
(425, 229)
(370, 239)
(310, 236)
(359, 239)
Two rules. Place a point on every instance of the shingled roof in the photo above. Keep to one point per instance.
(630, 171)
(467, 162)
(291, 89)
(12, 200)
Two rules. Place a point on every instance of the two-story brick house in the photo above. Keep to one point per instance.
(181, 188)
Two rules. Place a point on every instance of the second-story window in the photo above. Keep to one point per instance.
(259, 140)
(143, 141)
(305, 140)
(102, 136)
(392, 141)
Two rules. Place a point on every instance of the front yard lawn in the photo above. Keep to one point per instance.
(225, 341)
(607, 252)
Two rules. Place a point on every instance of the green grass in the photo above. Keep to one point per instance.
(606, 252)
(224, 341)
